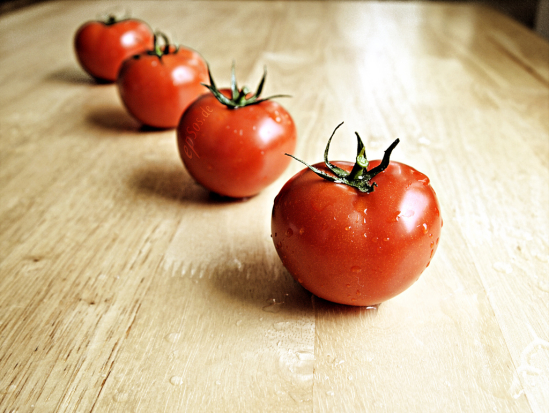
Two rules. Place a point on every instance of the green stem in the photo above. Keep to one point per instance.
(359, 177)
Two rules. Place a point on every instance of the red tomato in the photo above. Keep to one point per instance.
(353, 247)
(101, 47)
(235, 148)
(157, 86)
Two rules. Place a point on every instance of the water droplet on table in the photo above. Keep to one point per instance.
(281, 325)
(273, 306)
(503, 267)
(424, 141)
(172, 337)
(176, 380)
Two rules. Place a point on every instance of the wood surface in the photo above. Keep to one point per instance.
(126, 287)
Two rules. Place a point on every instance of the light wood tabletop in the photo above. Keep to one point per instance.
(127, 287)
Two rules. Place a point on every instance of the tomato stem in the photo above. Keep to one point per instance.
(359, 177)
(239, 97)
(161, 50)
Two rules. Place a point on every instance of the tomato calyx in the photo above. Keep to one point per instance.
(113, 18)
(359, 177)
(160, 50)
(239, 97)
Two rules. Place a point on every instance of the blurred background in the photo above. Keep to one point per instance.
(532, 13)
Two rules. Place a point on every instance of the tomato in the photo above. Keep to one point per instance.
(157, 86)
(233, 143)
(353, 247)
(101, 47)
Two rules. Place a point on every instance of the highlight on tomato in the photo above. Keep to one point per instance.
(348, 243)
(102, 46)
(233, 142)
(156, 86)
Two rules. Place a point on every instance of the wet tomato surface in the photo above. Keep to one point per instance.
(352, 247)
(233, 143)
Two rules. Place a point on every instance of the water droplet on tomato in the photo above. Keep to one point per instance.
(365, 235)
(347, 228)
(356, 268)
(374, 239)
(438, 240)
(424, 228)
(432, 244)
(432, 253)
(348, 285)
(357, 292)
(289, 232)
(394, 217)
(301, 231)
(386, 239)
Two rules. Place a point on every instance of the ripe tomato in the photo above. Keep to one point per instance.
(356, 245)
(101, 47)
(233, 143)
(157, 86)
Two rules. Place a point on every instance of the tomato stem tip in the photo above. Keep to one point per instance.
(239, 97)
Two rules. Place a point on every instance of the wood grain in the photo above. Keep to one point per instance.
(126, 287)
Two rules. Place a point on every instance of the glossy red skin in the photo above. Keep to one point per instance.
(101, 48)
(343, 254)
(156, 91)
(235, 152)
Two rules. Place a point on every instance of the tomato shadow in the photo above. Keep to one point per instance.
(335, 310)
(172, 182)
(73, 75)
(118, 119)
(260, 282)
(114, 118)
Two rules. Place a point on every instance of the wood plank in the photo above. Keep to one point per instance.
(124, 286)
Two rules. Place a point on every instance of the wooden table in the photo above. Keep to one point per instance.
(125, 287)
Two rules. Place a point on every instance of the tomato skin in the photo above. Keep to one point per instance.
(102, 47)
(357, 248)
(235, 152)
(157, 90)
